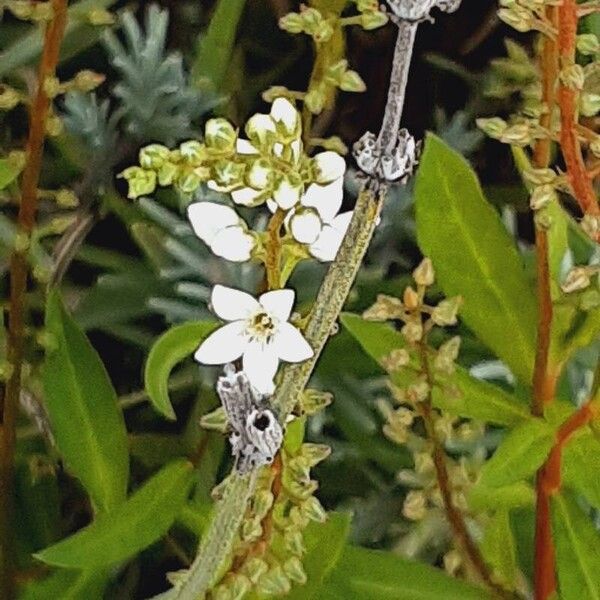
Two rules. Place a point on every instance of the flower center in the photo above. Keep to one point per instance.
(261, 327)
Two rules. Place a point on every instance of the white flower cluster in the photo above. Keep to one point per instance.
(280, 175)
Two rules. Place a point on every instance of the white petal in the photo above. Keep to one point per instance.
(233, 243)
(296, 147)
(327, 199)
(290, 344)
(224, 345)
(327, 244)
(342, 221)
(245, 147)
(283, 111)
(245, 196)
(258, 174)
(208, 218)
(329, 165)
(278, 303)
(306, 226)
(272, 205)
(260, 364)
(230, 304)
(286, 195)
(260, 128)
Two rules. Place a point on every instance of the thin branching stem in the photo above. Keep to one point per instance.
(18, 285)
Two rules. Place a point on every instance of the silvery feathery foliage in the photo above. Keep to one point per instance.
(156, 99)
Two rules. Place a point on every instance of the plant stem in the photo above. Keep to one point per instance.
(568, 103)
(453, 513)
(273, 259)
(544, 382)
(18, 286)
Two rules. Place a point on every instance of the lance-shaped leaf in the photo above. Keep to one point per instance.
(577, 550)
(140, 521)
(67, 584)
(83, 409)
(169, 349)
(475, 257)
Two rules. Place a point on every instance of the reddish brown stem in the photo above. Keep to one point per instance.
(544, 382)
(18, 285)
(568, 101)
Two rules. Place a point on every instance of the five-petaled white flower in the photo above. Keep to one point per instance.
(222, 230)
(258, 331)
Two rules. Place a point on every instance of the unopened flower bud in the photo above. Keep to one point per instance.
(322, 32)
(294, 542)
(274, 583)
(410, 299)
(262, 503)
(9, 97)
(220, 134)
(141, 182)
(591, 226)
(314, 453)
(294, 570)
(418, 392)
(518, 134)
(153, 156)
(351, 81)
(541, 196)
(292, 23)
(423, 463)
(412, 331)
(100, 17)
(192, 151)
(52, 86)
(65, 198)
(385, 308)
(254, 568)
(445, 313)
(315, 100)
(494, 127)
(578, 278)
(424, 274)
(447, 355)
(313, 509)
(589, 104)
(415, 505)
(373, 20)
(573, 77)
(540, 176)
(313, 401)
(251, 530)
(517, 17)
(395, 360)
(42, 12)
(587, 43)
(189, 182)
(452, 562)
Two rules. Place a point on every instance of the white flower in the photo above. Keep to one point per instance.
(317, 222)
(222, 230)
(258, 331)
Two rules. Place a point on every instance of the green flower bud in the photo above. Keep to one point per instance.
(517, 17)
(292, 23)
(220, 134)
(315, 100)
(262, 503)
(573, 77)
(52, 86)
(519, 134)
(313, 454)
(336, 71)
(367, 6)
(215, 420)
(314, 401)
(66, 198)
(352, 82)
(424, 274)
(373, 20)
(154, 156)
(274, 583)
(313, 510)
(395, 360)
(588, 44)
(540, 176)
(87, 80)
(589, 104)
(167, 173)
(385, 308)
(251, 530)
(294, 570)
(254, 568)
(446, 311)
(300, 489)
(192, 151)
(298, 469)
(42, 12)
(493, 127)
(447, 355)
(417, 392)
(9, 97)
(578, 278)
(189, 182)
(238, 586)
(228, 174)
(100, 17)
(541, 196)
(412, 331)
(322, 32)
(294, 542)
(141, 182)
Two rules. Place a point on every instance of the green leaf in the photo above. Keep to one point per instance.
(134, 525)
(581, 466)
(67, 585)
(577, 550)
(8, 172)
(170, 348)
(378, 575)
(324, 544)
(475, 257)
(478, 399)
(499, 548)
(83, 409)
(215, 46)
(519, 455)
(515, 495)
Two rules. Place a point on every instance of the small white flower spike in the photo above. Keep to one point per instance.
(222, 230)
(258, 331)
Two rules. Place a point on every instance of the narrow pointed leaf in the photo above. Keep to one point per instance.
(171, 348)
(136, 524)
(83, 409)
(475, 257)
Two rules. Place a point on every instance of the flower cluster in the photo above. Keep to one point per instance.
(269, 167)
